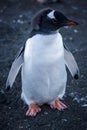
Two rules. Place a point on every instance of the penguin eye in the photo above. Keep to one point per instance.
(54, 20)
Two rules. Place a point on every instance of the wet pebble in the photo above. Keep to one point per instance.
(0, 20)
(75, 31)
(14, 21)
(74, 7)
(84, 105)
(70, 38)
(1, 11)
(82, 76)
(83, 99)
(65, 38)
(20, 16)
(20, 127)
(9, 108)
(76, 99)
(45, 113)
(66, 27)
(73, 94)
(20, 21)
(64, 120)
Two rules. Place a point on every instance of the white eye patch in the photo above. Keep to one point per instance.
(51, 15)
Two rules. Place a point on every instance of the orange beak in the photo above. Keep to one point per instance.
(72, 23)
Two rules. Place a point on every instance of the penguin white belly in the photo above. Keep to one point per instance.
(43, 73)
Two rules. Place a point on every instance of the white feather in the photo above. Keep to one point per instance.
(44, 74)
(51, 15)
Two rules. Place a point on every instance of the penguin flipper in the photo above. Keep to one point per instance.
(71, 63)
(16, 65)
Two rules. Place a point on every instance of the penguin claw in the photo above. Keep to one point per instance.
(33, 110)
(57, 104)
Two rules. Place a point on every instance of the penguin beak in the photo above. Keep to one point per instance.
(71, 23)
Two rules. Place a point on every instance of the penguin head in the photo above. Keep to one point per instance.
(50, 20)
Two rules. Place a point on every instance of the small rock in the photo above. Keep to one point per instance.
(65, 38)
(71, 38)
(82, 76)
(1, 11)
(64, 120)
(76, 99)
(46, 113)
(20, 21)
(20, 127)
(75, 31)
(72, 95)
(0, 20)
(66, 27)
(9, 107)
(20, 16)
(76, 50)
(83, 99)
(14, 21)
(74, 7)
(84, 105)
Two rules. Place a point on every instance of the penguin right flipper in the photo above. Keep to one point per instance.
(16, 65)
(71, 63)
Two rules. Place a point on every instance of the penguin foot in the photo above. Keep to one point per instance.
(33, 110)
(57, 104)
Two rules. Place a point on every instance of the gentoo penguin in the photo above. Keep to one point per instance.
(43, 59)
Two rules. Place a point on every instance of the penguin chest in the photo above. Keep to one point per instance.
(44, 69)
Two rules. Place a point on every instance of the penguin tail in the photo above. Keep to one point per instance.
(16, 65)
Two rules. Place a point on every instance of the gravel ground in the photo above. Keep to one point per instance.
(15, 17)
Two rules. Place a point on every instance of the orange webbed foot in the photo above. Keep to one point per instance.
(57, 104)
(33, 110)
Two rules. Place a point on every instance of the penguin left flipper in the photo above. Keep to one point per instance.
(71, 63)
(16, 65)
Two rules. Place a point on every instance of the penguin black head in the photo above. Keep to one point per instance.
(50, 20)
